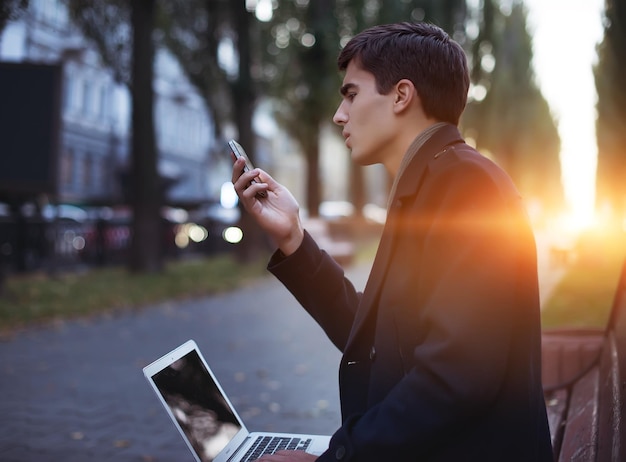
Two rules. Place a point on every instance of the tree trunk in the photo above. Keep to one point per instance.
(146, 200)
(244, 101)
(312, 153)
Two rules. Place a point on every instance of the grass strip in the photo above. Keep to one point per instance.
(585, 295)
(34, 298)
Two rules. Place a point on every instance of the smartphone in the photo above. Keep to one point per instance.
(238, 151)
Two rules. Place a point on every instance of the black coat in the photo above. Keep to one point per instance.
(441, 352)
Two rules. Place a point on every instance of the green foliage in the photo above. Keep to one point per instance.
(192, 31)
(301, 45)
(37, 298)
(513, 122)
(610, 75)
(107, 25)
(10, 10)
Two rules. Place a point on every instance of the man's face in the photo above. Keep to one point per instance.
(366, 117)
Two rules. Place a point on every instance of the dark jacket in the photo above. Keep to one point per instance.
(441, 352)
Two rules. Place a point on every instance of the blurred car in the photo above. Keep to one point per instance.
(211, 229)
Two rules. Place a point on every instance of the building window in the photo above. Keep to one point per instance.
(98, 174)
(67, 167)
(79, 172)
(67, 93)
(76, 91)
(103, 103)
(87, 172)
(87, 98)
(52, 12)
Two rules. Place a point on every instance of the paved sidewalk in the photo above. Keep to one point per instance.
(75, 391)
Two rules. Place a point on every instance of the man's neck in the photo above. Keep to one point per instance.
(409, 137)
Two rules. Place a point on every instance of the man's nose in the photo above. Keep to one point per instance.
(340, 117)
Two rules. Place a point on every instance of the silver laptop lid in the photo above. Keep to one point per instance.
(196, 403)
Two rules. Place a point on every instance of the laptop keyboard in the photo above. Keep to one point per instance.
(269, 445)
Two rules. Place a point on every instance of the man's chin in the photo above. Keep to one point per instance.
(360, 159)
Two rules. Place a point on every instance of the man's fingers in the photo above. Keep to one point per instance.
(238, 167)
(289, 456)
(250, 184)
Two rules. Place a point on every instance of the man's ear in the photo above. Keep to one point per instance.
(405, 95)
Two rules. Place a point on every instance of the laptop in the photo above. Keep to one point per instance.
(205, 417)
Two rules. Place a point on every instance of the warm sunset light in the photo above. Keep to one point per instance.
(565, 34)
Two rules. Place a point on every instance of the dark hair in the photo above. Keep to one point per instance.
(420, 52)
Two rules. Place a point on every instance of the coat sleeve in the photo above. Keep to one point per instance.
(319, 284)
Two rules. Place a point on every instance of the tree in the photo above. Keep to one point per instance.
(194, 31)
(610, 75)
(123, 33)
(108, 26)
(146, 197)
(10, 10)
(300, 57)
(507, 114)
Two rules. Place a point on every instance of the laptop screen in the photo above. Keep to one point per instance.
(198, 405)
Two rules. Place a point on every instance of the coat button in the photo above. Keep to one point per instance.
(373, 353)
(340, 453)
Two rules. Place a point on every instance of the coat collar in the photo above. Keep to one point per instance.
(408, 183)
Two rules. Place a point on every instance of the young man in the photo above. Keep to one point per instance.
(441, 351)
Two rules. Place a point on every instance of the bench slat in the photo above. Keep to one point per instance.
(611, 405)
(580, 439)
(556, 405)
(566, 353)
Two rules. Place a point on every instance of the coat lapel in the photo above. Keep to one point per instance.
(408, 185)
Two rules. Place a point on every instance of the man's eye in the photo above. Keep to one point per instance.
(350, 96)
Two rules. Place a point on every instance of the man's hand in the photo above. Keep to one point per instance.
(289, 456)
(277, 213)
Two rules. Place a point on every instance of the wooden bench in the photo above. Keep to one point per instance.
(584, 376)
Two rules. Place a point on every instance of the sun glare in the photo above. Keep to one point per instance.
(578, 163)
(565, 33)
(574, 221)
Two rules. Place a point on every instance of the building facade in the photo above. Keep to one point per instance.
(95, 115)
